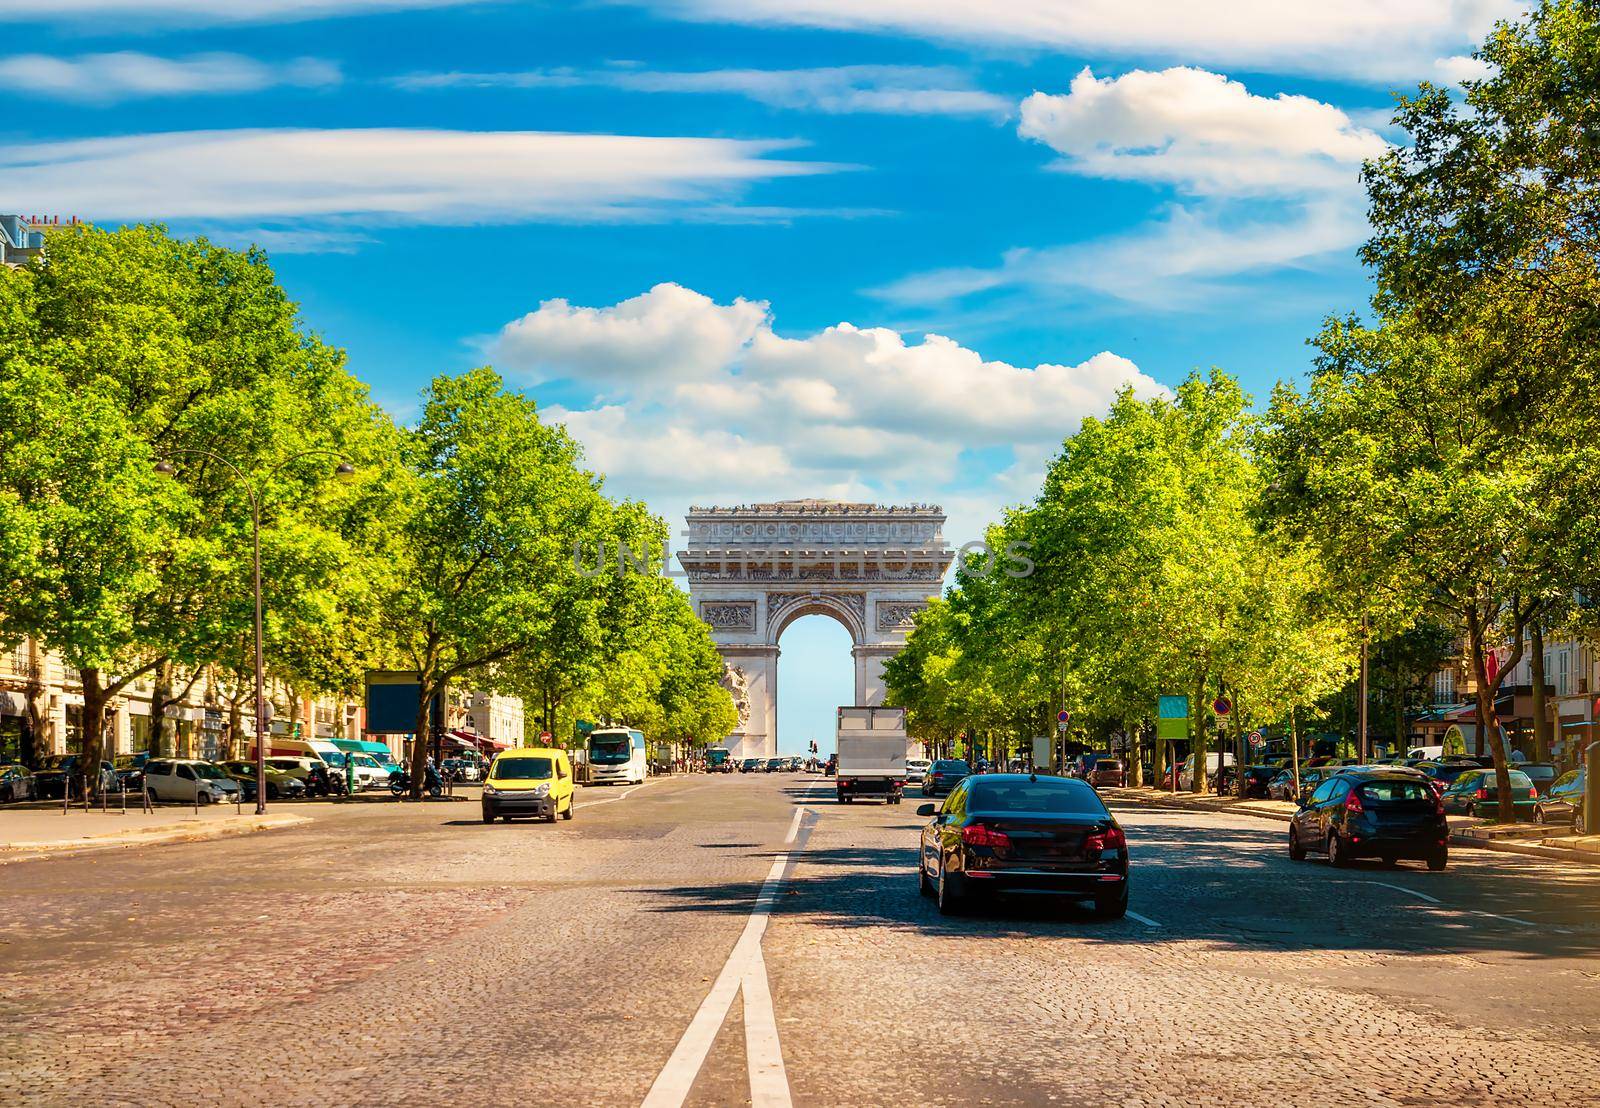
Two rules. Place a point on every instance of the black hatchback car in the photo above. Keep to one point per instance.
(1016, 833)
(943, 776)
(1372, 812)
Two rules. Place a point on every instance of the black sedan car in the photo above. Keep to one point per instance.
(943, 776)
(55, 771)
(1372, 812)
(1015, 833)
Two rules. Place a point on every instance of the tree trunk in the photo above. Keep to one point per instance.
(420, 740)
(1541, 725)
(94, 712)
(1504, 813)
(1294, 752)
(1402, 736)
(1135, 774)
(1197, 733)
(40, 738)
(160, 700)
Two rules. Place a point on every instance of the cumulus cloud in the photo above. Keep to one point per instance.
(836, 90)
(668, 333)
(389, 175)
(697, 398)
(1200, 132)
(127, 75)
(1261, 183)
(1369, 39)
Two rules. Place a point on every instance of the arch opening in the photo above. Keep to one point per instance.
(815, 676)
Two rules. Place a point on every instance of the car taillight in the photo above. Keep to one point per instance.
(1111, 838)
(938, 776)
(1533, 794)
(1438, 803)
(976, 834)
(1353, 803)
(1483, 794)
(843, 781)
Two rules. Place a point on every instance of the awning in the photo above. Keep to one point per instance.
(471, 740)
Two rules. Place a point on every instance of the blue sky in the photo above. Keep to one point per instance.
(713, 235)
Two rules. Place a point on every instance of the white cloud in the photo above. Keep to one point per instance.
(203, 12)
(669, 332)
(1265, 183)
(128, 75)
(1200, 132)
(729, 409)
(1369, 39)
(837, 90)
(388, 175)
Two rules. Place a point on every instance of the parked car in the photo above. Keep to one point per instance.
(461, 769)
(1282, 786)
(281, 784)
(943, 775)
(916, 770)
(129, 769)
(369, 773)
(1444, 774)
(1475, 793)
(1542, 774)
(1563, 803)
(17, 783)
(52, 775)
(1372, 812)
(189, 780)
(1004, 832)
(1108, 773)
(1312, 777)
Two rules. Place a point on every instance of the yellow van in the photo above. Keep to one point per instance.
(528, 782)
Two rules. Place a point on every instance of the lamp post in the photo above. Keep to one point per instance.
(344, 469)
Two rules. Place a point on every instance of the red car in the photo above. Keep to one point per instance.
(1108, 773)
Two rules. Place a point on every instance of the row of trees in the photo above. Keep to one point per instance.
(450, 548)
(1437, 478)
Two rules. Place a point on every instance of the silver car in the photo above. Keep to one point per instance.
(916, 770)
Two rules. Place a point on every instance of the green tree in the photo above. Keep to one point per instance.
(482, 552)
(131, 346)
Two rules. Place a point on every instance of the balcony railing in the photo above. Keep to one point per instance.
(15, 663)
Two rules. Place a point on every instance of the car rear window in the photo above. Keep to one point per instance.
(950, 766)
(1107, 765)
(1393, 792)
(1056, 797)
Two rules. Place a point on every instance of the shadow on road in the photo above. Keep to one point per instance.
(1230, 887)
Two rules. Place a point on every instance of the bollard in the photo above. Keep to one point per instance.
(1591, 798)
(66, 795)
(124, 783)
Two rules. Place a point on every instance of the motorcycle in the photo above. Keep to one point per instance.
(400, 783)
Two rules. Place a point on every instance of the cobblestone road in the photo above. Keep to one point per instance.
(409, 954)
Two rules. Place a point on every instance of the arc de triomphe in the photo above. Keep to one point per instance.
(755, 569)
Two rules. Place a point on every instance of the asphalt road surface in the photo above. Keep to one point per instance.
(733, 940)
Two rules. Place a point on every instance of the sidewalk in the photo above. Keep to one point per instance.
(38, 832)
(1530, 839)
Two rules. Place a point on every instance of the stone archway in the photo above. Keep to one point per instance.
(755, 569)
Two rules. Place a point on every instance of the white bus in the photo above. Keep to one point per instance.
(616, 756)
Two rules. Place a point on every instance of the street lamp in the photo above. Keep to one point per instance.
(344, 469)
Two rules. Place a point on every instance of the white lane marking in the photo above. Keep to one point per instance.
(1408, 892)
(1469, 911)
(676, 1078)
(1507, 919)
(769, 1081)
(1146, 920)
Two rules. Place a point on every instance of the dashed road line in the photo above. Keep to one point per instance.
(1146, 920)
(745, 971)
(623, 795)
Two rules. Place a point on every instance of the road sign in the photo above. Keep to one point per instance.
(545, 736)
(1222, 706)
(1061, 725)
(1063, 715)
(1255, 738)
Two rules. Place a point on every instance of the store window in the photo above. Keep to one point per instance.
(14, 740)
(74, 743)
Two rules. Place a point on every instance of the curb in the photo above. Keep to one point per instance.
(169, 833)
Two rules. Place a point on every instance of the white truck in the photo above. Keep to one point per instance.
(872, 753)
